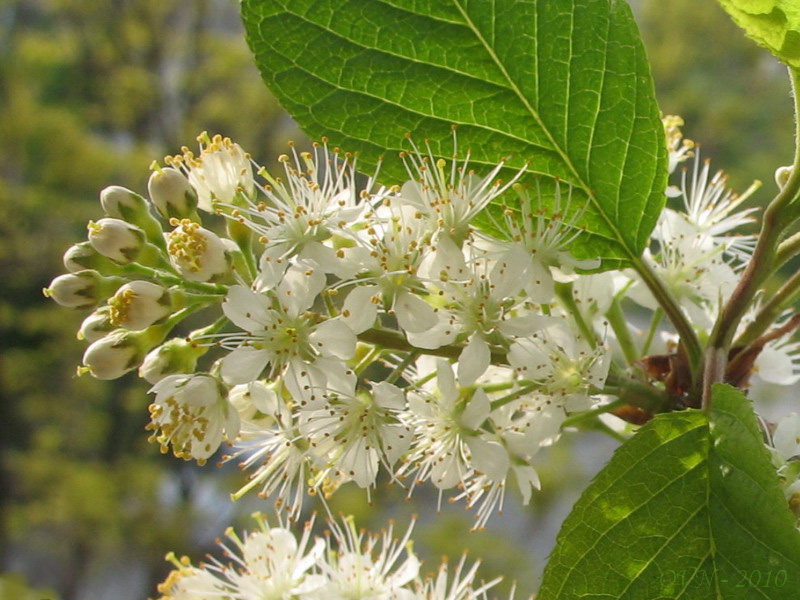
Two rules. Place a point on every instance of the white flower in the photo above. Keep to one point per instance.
(139, 304)
(271, 563)
(359, 430)
(710, 207)
(190, 583)
(368, 567)
(282, 334)
(191, 413)
(450, 446)
(562, 365)
(482, 304)
(460, 587)
(398, 240)
(280, 458)
(221, 170)
(300, 214)
(83, 289)
(197, 253)
(252, 398)
(540, 241)
(691, 265)
(450, 197)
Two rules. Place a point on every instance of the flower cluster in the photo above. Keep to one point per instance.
(349, 331)
(271, 562)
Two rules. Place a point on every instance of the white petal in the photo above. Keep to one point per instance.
(446, 381)
(358, 310)
(389, 396)
(301, 284)
(395, 441)
(786, 436)
(445, 473)
(306, 383)
(244, 364)
(233, 423)
(776, 367)
(525, 325)
(271, 267)
(441, 334)
(360, 462)
(527, 478)
(473, 360)
(201, 390)
(263, 398)
(489, 457)
(413, 313)
(539, 284)
(477, 410)
(247, 309)
(507, 275)
(334, 338)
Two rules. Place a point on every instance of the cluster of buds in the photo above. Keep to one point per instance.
(354, 329)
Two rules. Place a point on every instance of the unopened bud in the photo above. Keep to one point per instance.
(197, 253)
(121, 351)
(171, 193)
(782, 175)
(139, 304)
(96, 325)
(116, 239)
(121, 203)
(112, 356)
(83, 289)
(174, 356)
(83, 256)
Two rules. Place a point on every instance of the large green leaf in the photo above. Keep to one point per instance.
(775, 24)
(689, 508)
(561, 84)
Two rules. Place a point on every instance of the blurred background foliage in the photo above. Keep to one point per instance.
(90, 92)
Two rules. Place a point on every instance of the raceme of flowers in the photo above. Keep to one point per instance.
(271, 562)
(347, 330)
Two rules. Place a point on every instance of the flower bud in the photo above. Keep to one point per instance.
(114, 355)
(83, 256)
(139, 304)
(121, 351)
(121, 203)
(116, 239)
(197, 253)
(83, 289)
(171, 193)
(782, 175)
(174, 356)
(96, 325)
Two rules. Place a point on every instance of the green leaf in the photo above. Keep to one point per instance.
(563, 85)
(689, 508)
(774, 24)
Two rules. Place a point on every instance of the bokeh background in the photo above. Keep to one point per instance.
(91, 91)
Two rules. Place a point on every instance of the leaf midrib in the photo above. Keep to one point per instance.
(534, 113)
